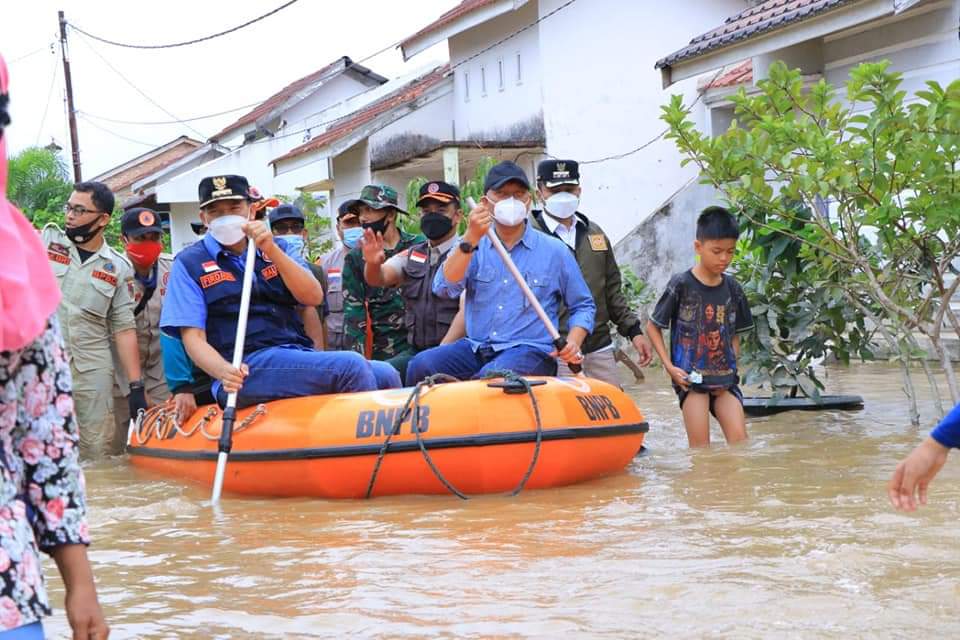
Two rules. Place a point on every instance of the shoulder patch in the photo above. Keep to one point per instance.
(108, 267)
(598, 242)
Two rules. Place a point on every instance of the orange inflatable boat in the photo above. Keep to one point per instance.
(474, 437)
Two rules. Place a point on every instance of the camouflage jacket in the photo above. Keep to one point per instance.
(385, 307)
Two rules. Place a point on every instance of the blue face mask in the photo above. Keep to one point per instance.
(352, 236)
(294, 245)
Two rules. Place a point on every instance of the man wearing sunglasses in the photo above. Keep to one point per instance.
(96, 283)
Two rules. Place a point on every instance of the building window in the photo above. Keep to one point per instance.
(483, 81)
(519, 70)
(466, 86)
(500, 83)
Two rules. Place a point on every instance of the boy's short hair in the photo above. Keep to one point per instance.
(717, 223)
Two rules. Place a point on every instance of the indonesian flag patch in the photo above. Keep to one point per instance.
(416, 256)
(333, 273)
(210, 267)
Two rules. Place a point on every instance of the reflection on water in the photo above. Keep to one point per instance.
(788, 535)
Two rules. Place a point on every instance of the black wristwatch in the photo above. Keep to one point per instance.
(136, 384)
(468, 248)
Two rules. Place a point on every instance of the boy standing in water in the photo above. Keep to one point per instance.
(708, 308)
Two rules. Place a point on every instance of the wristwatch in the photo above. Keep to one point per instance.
(468, 248)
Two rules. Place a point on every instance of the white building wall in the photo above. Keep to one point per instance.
(602, 96)
(434, 119)
(181, 215)
(351, 171)
(485, 114)
(923, 46)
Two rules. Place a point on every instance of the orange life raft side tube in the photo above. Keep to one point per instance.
(480, 438)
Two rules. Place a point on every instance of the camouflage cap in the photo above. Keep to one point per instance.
(380, 196)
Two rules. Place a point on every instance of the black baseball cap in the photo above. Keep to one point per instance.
(440, 191)
(504, 172)
(139, 221)
(285, 212)
(215, 188)
(553, 173)
(348, 208)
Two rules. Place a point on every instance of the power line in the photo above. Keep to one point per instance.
(32, 53)
(117, 135)
(46, 108)
(139, 90)
(180, 121)
(187, 42)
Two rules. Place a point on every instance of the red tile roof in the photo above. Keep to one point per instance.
(279, 98)
(462, 9)
(148, 163)
(740, 73)
(399, 98)
(764, 17)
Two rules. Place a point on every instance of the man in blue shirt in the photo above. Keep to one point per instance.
(503, 330)
(203, 303)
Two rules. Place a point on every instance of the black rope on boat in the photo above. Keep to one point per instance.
(509, 376)
(414, 401)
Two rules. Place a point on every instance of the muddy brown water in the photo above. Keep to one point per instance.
(788, 536)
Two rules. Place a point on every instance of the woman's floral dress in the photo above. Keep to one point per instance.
(42, 503)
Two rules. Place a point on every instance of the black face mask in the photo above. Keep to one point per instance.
(380, 226)
(83, 233)
(435, 225)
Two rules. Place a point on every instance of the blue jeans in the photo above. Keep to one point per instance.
(32, 631)
(386, 375)
(461, 361)
(292, 372)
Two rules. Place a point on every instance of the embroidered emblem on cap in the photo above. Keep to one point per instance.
(381, 195)
(219, 183)
(146, 218)
(433, 188)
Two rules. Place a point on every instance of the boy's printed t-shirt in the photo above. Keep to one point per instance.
(703, 321)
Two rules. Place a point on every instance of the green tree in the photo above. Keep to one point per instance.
(319, 227)
(472, 188)
(867, 189)
(38, 182)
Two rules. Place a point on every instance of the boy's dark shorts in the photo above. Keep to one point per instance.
(682, 395)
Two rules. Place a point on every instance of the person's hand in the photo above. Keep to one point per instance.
(371, 244)
(570, 352)
(478, 222)
(642, 344)
(184, 405)
(914, 473)
(85, 616)
(679, 376)
(259, 232)
(231, 377)
(137, 400)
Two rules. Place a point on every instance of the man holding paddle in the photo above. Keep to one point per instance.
(204, 303)
(504, 330)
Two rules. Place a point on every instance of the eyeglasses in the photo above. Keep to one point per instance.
(78, 210)
(283, 228)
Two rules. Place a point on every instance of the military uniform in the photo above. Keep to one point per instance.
(373, 316)
(151, 359)
(594, 254)
(374, 310)
(97, 303)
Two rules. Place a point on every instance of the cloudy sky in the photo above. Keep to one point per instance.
(225, 73)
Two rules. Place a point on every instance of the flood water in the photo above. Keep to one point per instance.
(787, 536)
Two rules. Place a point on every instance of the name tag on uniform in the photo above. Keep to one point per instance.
(106, 277)
(598, 242)
(270, 272)
(58, 253)
(416, 256)
(216, 277)
(210, 267)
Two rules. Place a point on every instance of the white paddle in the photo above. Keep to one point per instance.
(230, 413)
(558, 341)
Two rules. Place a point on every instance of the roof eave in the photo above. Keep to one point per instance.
(143, 157)
(156, 175)
(773, 40)
(420, 42)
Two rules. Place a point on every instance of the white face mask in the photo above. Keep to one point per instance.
(227, 229)
(562, 205)
(510, 212)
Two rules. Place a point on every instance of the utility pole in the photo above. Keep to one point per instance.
(71, 112)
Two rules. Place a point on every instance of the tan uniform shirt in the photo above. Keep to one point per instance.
(97, 299)
(148, 336)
